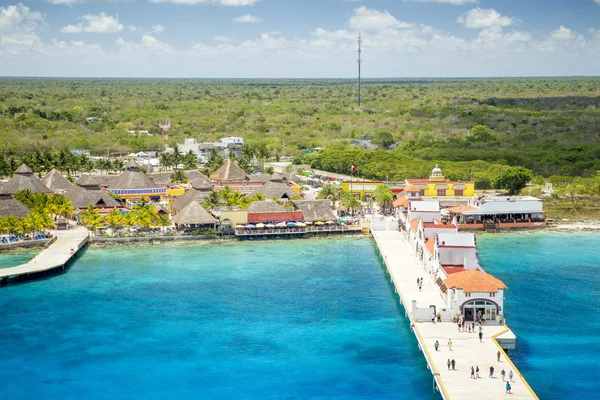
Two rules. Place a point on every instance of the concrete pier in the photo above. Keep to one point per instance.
(467, 349)
(55, 256)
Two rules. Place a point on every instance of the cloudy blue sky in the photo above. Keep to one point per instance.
(299, 38)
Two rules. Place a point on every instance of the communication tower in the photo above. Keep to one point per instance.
(165, 126)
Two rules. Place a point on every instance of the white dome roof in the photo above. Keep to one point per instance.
(436, 171)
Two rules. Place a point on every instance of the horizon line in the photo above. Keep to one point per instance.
(298, 78)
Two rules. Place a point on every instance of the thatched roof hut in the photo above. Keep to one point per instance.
(229, 172)
(56, 182)
(267, 206)
(11, 206)
(161, 178)
(194, 215)
(276, 190)
(81, 197)
(133, 178)
(192, 195)
(23, 179)
(315, 210)
(96, 180)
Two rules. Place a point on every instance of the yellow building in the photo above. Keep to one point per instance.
(437, 186)
(361, 188)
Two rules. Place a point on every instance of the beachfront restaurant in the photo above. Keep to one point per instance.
(501, 211)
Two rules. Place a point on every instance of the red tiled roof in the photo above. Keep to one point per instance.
(474, 280)
(430, 244)
(415, 224)
(453, 270)
(436, 226)
(401, 202)
(412, 189)
(275, 217)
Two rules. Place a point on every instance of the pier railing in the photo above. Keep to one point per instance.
(284, 231)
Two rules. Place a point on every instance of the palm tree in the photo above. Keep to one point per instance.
(115, 220)
(92, 218)
(163, 221)
(190, 161)
(177, 156)
(329, 192)
(351, 202)
(212, 200)
(383, 196)
(179, 177)
(165, 160)
(144, 214)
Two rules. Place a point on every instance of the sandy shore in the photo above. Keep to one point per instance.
(575, 226)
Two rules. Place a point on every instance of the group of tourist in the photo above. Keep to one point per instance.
(451, 363)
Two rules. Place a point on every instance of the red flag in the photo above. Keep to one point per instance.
(353, 169)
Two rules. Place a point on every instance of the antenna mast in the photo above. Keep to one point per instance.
(359, 62)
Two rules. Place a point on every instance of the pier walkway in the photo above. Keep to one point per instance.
(56, 255)
(467, 350)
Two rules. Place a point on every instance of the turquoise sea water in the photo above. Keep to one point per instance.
(302, 319)
(552, 305)
(13, 259)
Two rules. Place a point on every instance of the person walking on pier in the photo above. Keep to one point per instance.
(491, 372)
(472, 372)
(498, 355)
(480, 333)
(477, 372)
(503, 374)
(508, 387)
(510, 375)
(450, 344)
(453, 363)
(436, 345)
(448, 364)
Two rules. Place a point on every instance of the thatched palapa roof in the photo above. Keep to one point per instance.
(276, 190)
(11, 206)
(315, 210)
(267, 206)
(160, 178)
(96, 180)
(56, 182)
(229, 172)
(194, 214)
(133, 178)
(81, 198)
(23, 179)
(192, 195)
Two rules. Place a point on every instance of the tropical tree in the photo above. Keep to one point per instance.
(177, 156)
(163, 221)
(92, 218)
(512, 179)
(212, 200)
(190, 161)
(383, 196)
(351, 202)
(178, 176)
(114, 220)
(144, 214)
(213, 163)
(11, 224)
(165, 160)
(329, 192)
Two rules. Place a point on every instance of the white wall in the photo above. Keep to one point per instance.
(426, 216)
(455, 255)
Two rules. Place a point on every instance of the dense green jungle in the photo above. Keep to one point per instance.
(474, 128)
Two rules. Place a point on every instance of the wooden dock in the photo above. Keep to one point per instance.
(55, 257)
(404, 270)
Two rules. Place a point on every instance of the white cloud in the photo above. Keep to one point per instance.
(223, 38)
(100, 23)
(71, 2)
(562, 33)
(453, 2)
(484, 18)
(18, 17)
(237, 2)
(597, 1)
(158, 29)
(248, 19)
(367, 19)
(229, 3)
(148, 45)
(131, 28)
